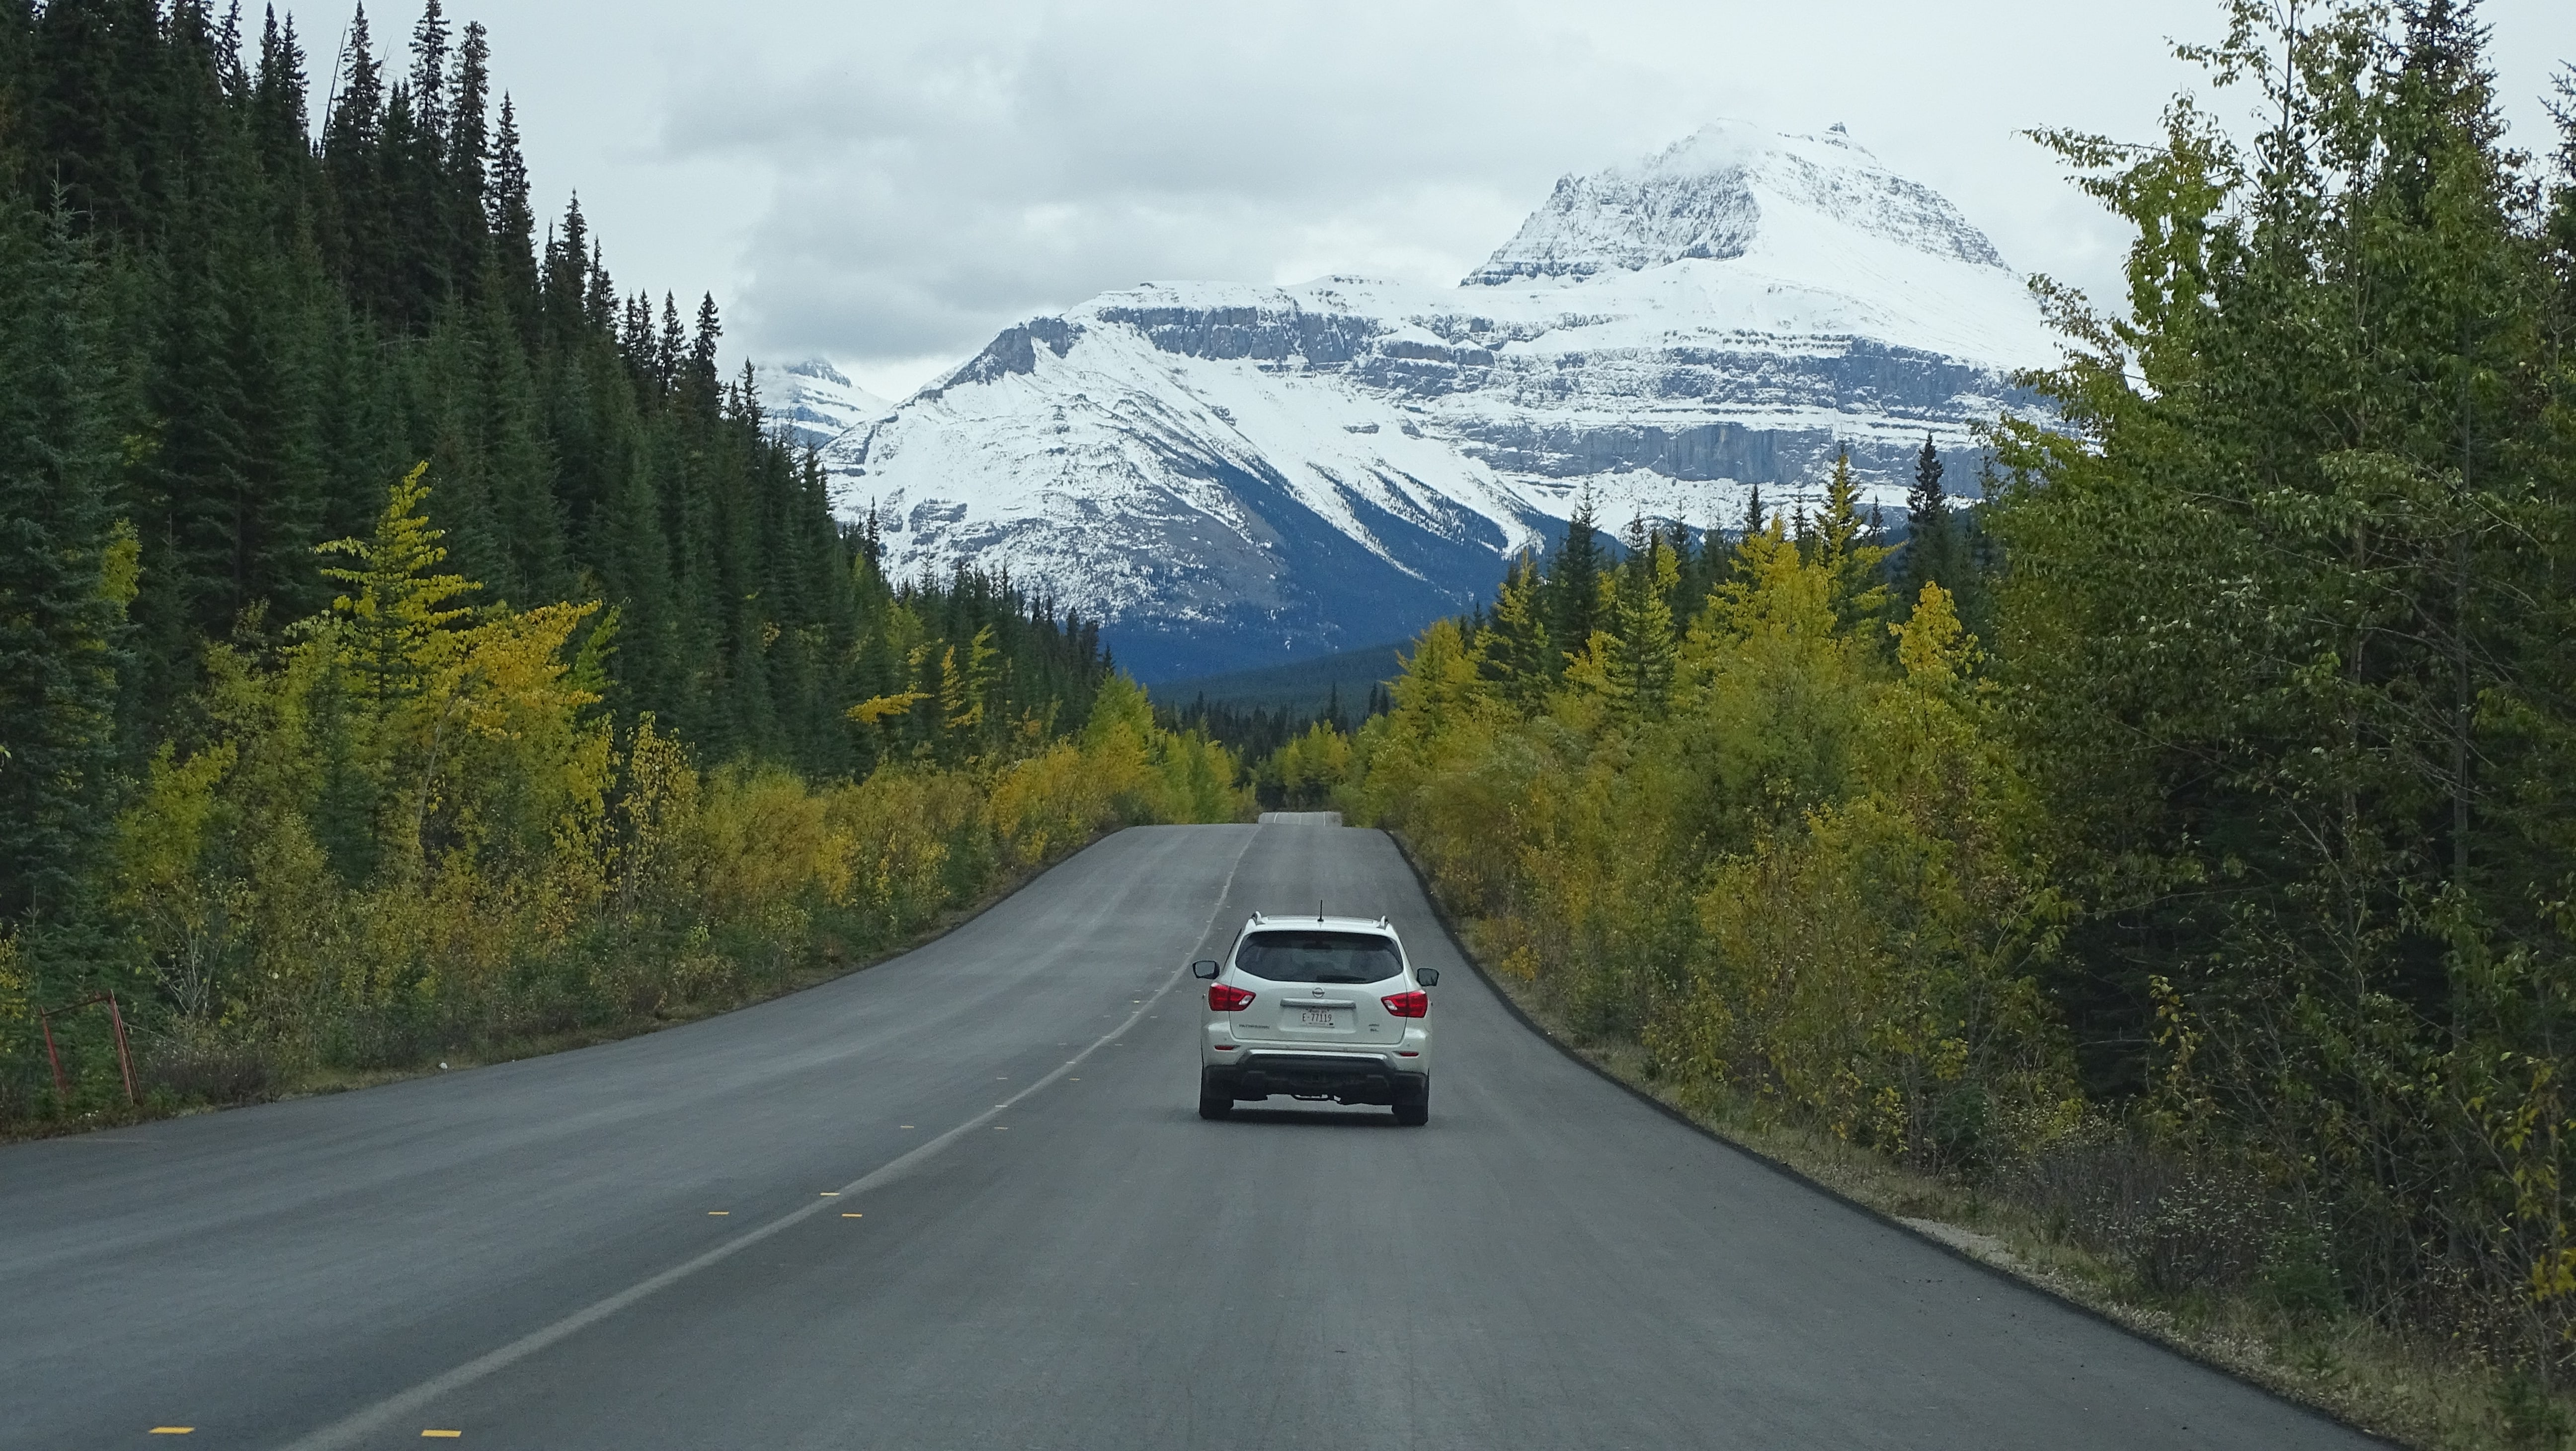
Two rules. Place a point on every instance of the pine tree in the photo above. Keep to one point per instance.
(1575, 585)
(1513, 648)
(1642, 631)
(699, 377)
(563, 280)
(1932, 542)
(670, 358)
(279, 127)
(67, 570)
(512, 219)
(467, 160)
(429, 94)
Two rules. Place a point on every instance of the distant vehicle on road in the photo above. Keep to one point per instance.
(1318, 1008)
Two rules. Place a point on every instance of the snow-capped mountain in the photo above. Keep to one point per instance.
(1236, 475)
(814, 403)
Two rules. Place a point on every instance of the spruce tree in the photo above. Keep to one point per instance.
(1643, 638)
(700, 373)
(511, 217)
(429, 56)
(1513, 648)
(670, 359)
(67, 569)
(467, 160)
(279, 127)
(1932, 543)
(1574, 584)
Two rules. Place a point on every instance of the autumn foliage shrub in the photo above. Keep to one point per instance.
(415, 830)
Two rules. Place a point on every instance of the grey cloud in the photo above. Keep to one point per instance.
(932, 173)
(931, 190)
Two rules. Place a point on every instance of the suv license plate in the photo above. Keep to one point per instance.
(1322, 1018)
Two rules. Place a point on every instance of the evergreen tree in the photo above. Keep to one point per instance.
(429, 56)
(67, 569)
(1643, 636)
(1933, 551)
(1575, 584)
(1513, 647)
(466, 163)
(279, 127)
(699, 376)
(672, 356)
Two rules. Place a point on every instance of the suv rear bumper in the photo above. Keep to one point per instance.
(1342, 1077)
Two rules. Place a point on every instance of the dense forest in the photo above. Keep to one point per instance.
(2180, 841)
(1302, 756)
(411, 641)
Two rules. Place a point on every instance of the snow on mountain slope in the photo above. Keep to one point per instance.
(1708, 196)
(1234, 475)
(814, 402)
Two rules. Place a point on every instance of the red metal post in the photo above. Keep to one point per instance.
(62, 1090)
(124, 1055)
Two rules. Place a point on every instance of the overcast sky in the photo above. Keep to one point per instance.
(887, 184)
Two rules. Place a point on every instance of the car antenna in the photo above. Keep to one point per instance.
(1319, 909)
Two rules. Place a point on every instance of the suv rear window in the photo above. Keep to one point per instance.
(1319, 957)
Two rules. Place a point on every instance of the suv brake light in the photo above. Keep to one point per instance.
(1414, 1004)
(1227, 998)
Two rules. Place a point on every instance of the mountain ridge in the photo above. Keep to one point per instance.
(1233, 474)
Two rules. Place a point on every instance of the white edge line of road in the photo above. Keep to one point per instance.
(350, 1429)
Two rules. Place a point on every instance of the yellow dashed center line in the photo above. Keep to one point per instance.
(174, 1430)
(852, 1216)
(450, 1434)
(718, 1213)
(831, 1193)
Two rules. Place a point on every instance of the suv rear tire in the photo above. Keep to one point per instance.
(1417, 1112)
(1216, 1100)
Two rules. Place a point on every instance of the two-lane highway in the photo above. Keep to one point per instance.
(963, 1199)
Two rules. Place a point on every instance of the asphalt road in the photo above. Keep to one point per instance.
(1032, 1240)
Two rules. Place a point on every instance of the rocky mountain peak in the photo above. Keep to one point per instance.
(815, 402)
(1707, 197)
(1229, 474)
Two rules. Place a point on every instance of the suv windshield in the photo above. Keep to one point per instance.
(1319, 957)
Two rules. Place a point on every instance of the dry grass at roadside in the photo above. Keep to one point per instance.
(826, 964)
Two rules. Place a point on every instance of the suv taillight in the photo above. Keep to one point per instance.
(1414, 1004)
(1227, 998)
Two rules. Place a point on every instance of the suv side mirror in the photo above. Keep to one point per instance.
(1205, 968)
(1427, 976)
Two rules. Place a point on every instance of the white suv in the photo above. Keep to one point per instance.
(1316, 1008)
